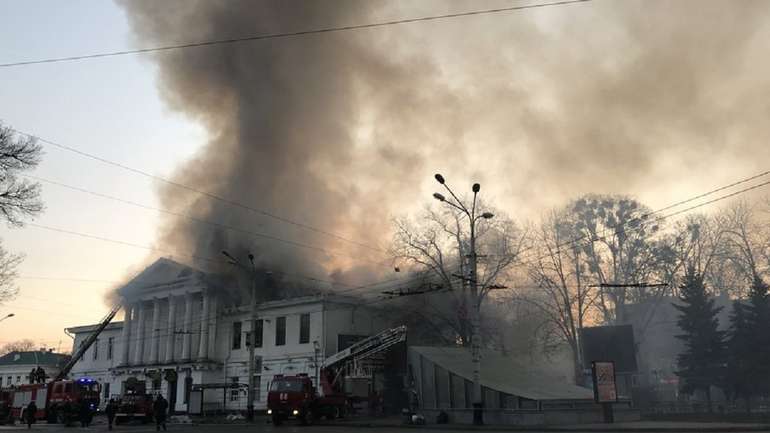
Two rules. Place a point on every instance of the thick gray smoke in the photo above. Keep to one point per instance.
(342, 131)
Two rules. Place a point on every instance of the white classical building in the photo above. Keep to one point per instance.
(178, 320)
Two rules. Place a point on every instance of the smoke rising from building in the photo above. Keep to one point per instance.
(343, 131)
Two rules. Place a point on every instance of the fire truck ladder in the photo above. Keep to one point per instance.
(87, 343)
(367, 347)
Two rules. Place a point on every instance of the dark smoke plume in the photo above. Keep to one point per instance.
(342, 131)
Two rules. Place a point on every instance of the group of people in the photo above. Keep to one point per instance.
(159, 409)
(37, 375)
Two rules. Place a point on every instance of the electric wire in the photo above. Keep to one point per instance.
(207, 194)
(285, 35)
(196, 219)
(641, 220)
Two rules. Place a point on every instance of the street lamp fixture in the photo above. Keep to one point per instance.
(473, 218)
(7, 316)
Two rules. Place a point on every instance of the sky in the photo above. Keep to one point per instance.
(660, 102)
(108, 108)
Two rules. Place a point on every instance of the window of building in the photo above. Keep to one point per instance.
(258, 336)
(82, 355)
(280, 331)
(304, 328)
(237, 335)
(96, 349)
(1, 381)
(257, 379)
(188, 383)
(107, 389)
(110, 347)
(10, 380)
(234, 390)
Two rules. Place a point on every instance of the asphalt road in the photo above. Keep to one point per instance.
(255, 428)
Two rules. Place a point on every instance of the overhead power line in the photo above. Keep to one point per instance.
(349, 287)
(78, 280)
(260, 37)
(196, 219)
(162, 251)
(198, 191)
(644, 217)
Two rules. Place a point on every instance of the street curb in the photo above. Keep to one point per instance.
(535, 428)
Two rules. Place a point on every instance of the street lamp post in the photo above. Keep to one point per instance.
(478, 410)
(252, 334)
(7, 316)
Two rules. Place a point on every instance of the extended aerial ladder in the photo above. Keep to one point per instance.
(364, 349)
(87, 343)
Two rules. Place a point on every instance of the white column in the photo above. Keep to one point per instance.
(171, 339)
(126, 335)
(155, 342)
(139, 340)
(213, 328)
(203, 342)
(187, 327)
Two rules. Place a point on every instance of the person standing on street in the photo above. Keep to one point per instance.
(85, 414)
(159, 410)
(111, 409)
(30, 414)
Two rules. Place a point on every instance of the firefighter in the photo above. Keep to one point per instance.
(111, 409)
(85, 414)
(40, 373)
(30, 413)
(159, 411)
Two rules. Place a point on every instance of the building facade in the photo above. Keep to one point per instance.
(181, 331)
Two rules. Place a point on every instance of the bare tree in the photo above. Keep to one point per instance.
(438, 245)
(19, 198)
(8, 265)
(747, 240)
(699, 245)
(25, 345)
(562, 283)
(618, 241)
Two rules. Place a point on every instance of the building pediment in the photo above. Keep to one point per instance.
(164, 275)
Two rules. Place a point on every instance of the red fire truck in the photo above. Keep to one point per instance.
(60, 400)
(297, 397)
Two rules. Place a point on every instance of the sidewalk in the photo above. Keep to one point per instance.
(637, 426)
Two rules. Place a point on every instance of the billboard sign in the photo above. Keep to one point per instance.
(610, 343)
(605, 390)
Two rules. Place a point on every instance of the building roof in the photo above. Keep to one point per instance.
(77, 329)
(504, 374)
(32, 358)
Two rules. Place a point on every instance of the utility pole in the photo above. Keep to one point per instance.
(475, 301)
(478, 417)
(253, 342)
(253, 334)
